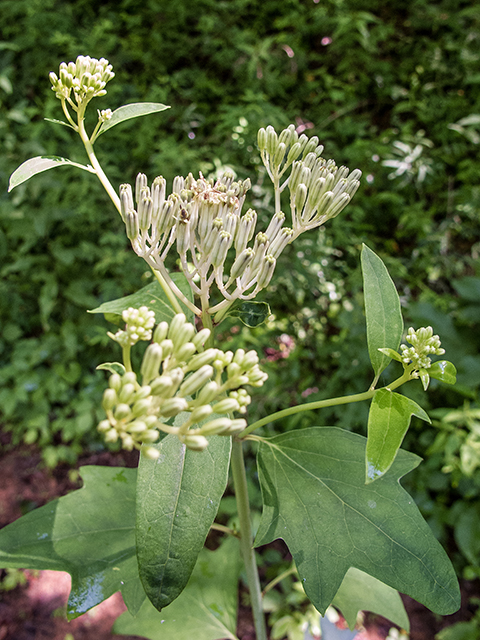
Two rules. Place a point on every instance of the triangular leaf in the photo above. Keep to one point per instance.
(90, 533)
(206, 609)
(382, 310)
(129, 111)
(388, 422)
(41, 163)
(444, 371)
(178, 496)
(252, 314)
(361, 592)
(315, 498)
(151, 296)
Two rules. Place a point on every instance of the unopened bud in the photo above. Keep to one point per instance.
(195, 443)
(115, 382)
(150, 453)
(109, 399)
(140, 183)
(208, 393)
(167, 347)
(127, 393)
(172, 407)
(176, 325)
(141, 407)
(129, 378)
(131, 225)
(200, 338)
(200, 413)
(185, 352)
(196, 380)
(227, 405)
(275, 225)
(279, 154)
(122, 411)
(294, 152)
(151, 362)
(161, 386)
(272, 141)
(216, 426)
(261, 136)
(201, 359)
(111, 436)
(266, 271)
(241, 263)
(104, 426)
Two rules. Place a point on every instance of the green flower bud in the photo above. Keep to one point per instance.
(220, 248)
(287, 135)
(145, 208)
(141, 407)
(151, 362)
(200, 338)
(115, 382)
(279, 154)
(127, 393)
(338, 205)
(300, 196)
(195, 443)
(183, 336)
(140, 184)
(294, 152)
(160, 332)
(150, 453)
(239, 356)
(111, 436)
(280, 242)
(176, 326)
(201, 359)
(143, 392)
(215, 427)
(196, 380)
(266, 271)
(310, 146)
(127, 442)
(122, 411)
(245, 230)
(233, 369)
(241, 263)
(237, 426)
(272, 141)
(104, 426)
(161, 386)
(126, 200)
(172, 407)
(150, 421)
(109, 399)
(167, 348)
(151, 435)
(129, 378)
(275, 225)
(137, 427)
(261, 137)
(185, 352)
(131, 225)
(208, 393)
(250, 360)
(227, 405)
(200, 413)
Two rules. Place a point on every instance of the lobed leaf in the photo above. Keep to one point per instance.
(129, 111)
(90, 533)
(151, 296)
(382, 310)
(205, 610)
(178, 496)
(315, 498)
(388, 422)
(41, 163)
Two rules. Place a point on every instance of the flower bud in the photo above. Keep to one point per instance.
(275, 225)
(287, 136)
(145, 208)
(220, 248)
(161, 386)
(294, 152)
(105, 425)
(138, 426)
(279, 154)
(227, 405)
(167, 347)
(150, 453)
(310, 146)
(183, 335)
(261, 136)
(200, 338)
(241, 263)
(201, 359)
(151, 435)
(237, 426)
(131, 225)
(183, 236)
(300, 196)
(151, 362)
(111, 436)
(115, 382)
(196, 380)
(160, 332)
(109, 399)
(129, 378)
(208, 393)
(127, 442)
(266, 271)
(215, 427)
(280, 242)
(176, 376)
(176, 325)
(172, 407)
(185, 352)
(245, 230)
(140, 183)
(122, 411)
(200, 413)
(127, 393)
(141, 407)
(126, 200)
(195, 443)
(272, 141)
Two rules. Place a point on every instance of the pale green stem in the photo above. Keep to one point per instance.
(207, 322)
(126, 357)
(246, 538)
(321, 404)
(276, 186)
(220, 527)
(168, 292)
(282, 576)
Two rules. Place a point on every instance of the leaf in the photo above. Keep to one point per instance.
(444, 371)
(65, 124)
(113, 367)
(315, 498)
(459, 631)
(382, 309)
(129, 111)
(252, 314)
(90, 533)
(153, 297)
(361, 592)
(394, 355)
(178, 496)
(467, 526)
(206, 609)
(37, 165)
(388, 422)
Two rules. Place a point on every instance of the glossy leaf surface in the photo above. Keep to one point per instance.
(388, 422)
(90, 533)
(252, 314)
(361, 592)
(205, 610)
(39, 164)
(382, 310)
(315, 498)
(444, 371)
(151, 296)
(178, 497)
(129, 111)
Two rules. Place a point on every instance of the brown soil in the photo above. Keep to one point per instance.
(36, 610)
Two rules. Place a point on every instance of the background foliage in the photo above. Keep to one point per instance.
(391, 88)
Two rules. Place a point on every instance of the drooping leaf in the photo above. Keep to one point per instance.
(113, 367)
(41, 163)
(361, 592)
(388, 422)
(129, 111)
(315, 498)
(65, 124)
(90, 533)
(205, 610)
(178, 496)
(252, 314)
(382, 310)
(444, 371)
(151, 296)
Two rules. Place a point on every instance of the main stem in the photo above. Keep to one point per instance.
(246, 538)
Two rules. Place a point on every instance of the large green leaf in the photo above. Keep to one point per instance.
(151, 296)
(207, 608)
(178, 497)
(382, 310)
(361, 592)
(252, 314)
(41, 163)
(90, 533)
(129, 111)
(316, 499)
(388, 422)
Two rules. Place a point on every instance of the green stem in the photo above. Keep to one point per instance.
(321, 404)
(95, 163)
(207, 322)
(220, 527)
(126, 358)
(168, 292)
(246, 538)
(282, 576)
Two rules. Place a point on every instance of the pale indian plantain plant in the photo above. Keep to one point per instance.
(355, 535)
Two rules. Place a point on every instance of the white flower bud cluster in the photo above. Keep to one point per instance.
(203, 218)
(139, 324)
(424, 343)
(179, 375)
(86, 77)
